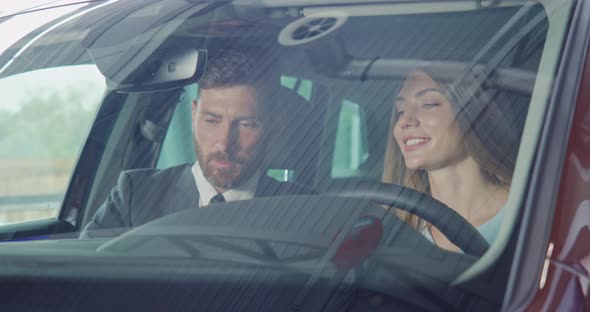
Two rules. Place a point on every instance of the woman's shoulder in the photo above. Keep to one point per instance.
(489, 230)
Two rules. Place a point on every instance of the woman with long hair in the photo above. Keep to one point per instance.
(461, 154)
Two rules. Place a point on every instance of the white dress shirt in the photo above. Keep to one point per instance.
(207, 191)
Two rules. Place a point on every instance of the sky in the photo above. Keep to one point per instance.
(19, 26)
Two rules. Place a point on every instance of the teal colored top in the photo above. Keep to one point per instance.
(488, 230)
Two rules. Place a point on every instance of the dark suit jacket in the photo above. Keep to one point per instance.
(143, 195)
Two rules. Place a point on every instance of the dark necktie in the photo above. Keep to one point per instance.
(217, 199)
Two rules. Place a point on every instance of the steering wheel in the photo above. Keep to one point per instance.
(458, 230)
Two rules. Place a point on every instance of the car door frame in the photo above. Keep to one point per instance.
(532, 239)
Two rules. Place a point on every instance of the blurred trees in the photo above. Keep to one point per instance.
(50, 126)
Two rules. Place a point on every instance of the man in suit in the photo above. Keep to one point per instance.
(231, 121)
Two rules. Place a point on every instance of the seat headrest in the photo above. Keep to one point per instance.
(295, 139)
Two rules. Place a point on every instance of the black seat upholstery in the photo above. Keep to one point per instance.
(295, 141)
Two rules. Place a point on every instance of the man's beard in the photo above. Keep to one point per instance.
(227, 178)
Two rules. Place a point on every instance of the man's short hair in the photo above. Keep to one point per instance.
(230, 68)
(235, 67)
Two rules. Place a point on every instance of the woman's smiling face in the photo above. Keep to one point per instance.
(426, 130)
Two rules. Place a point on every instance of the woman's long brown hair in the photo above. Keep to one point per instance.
(490, 139)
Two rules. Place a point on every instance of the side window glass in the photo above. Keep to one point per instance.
(178, 147)
(44, 121)
(302, 86)
(350, 150)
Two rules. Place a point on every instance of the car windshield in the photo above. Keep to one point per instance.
(377, 143)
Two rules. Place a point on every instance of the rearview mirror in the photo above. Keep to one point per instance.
(172, 68)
